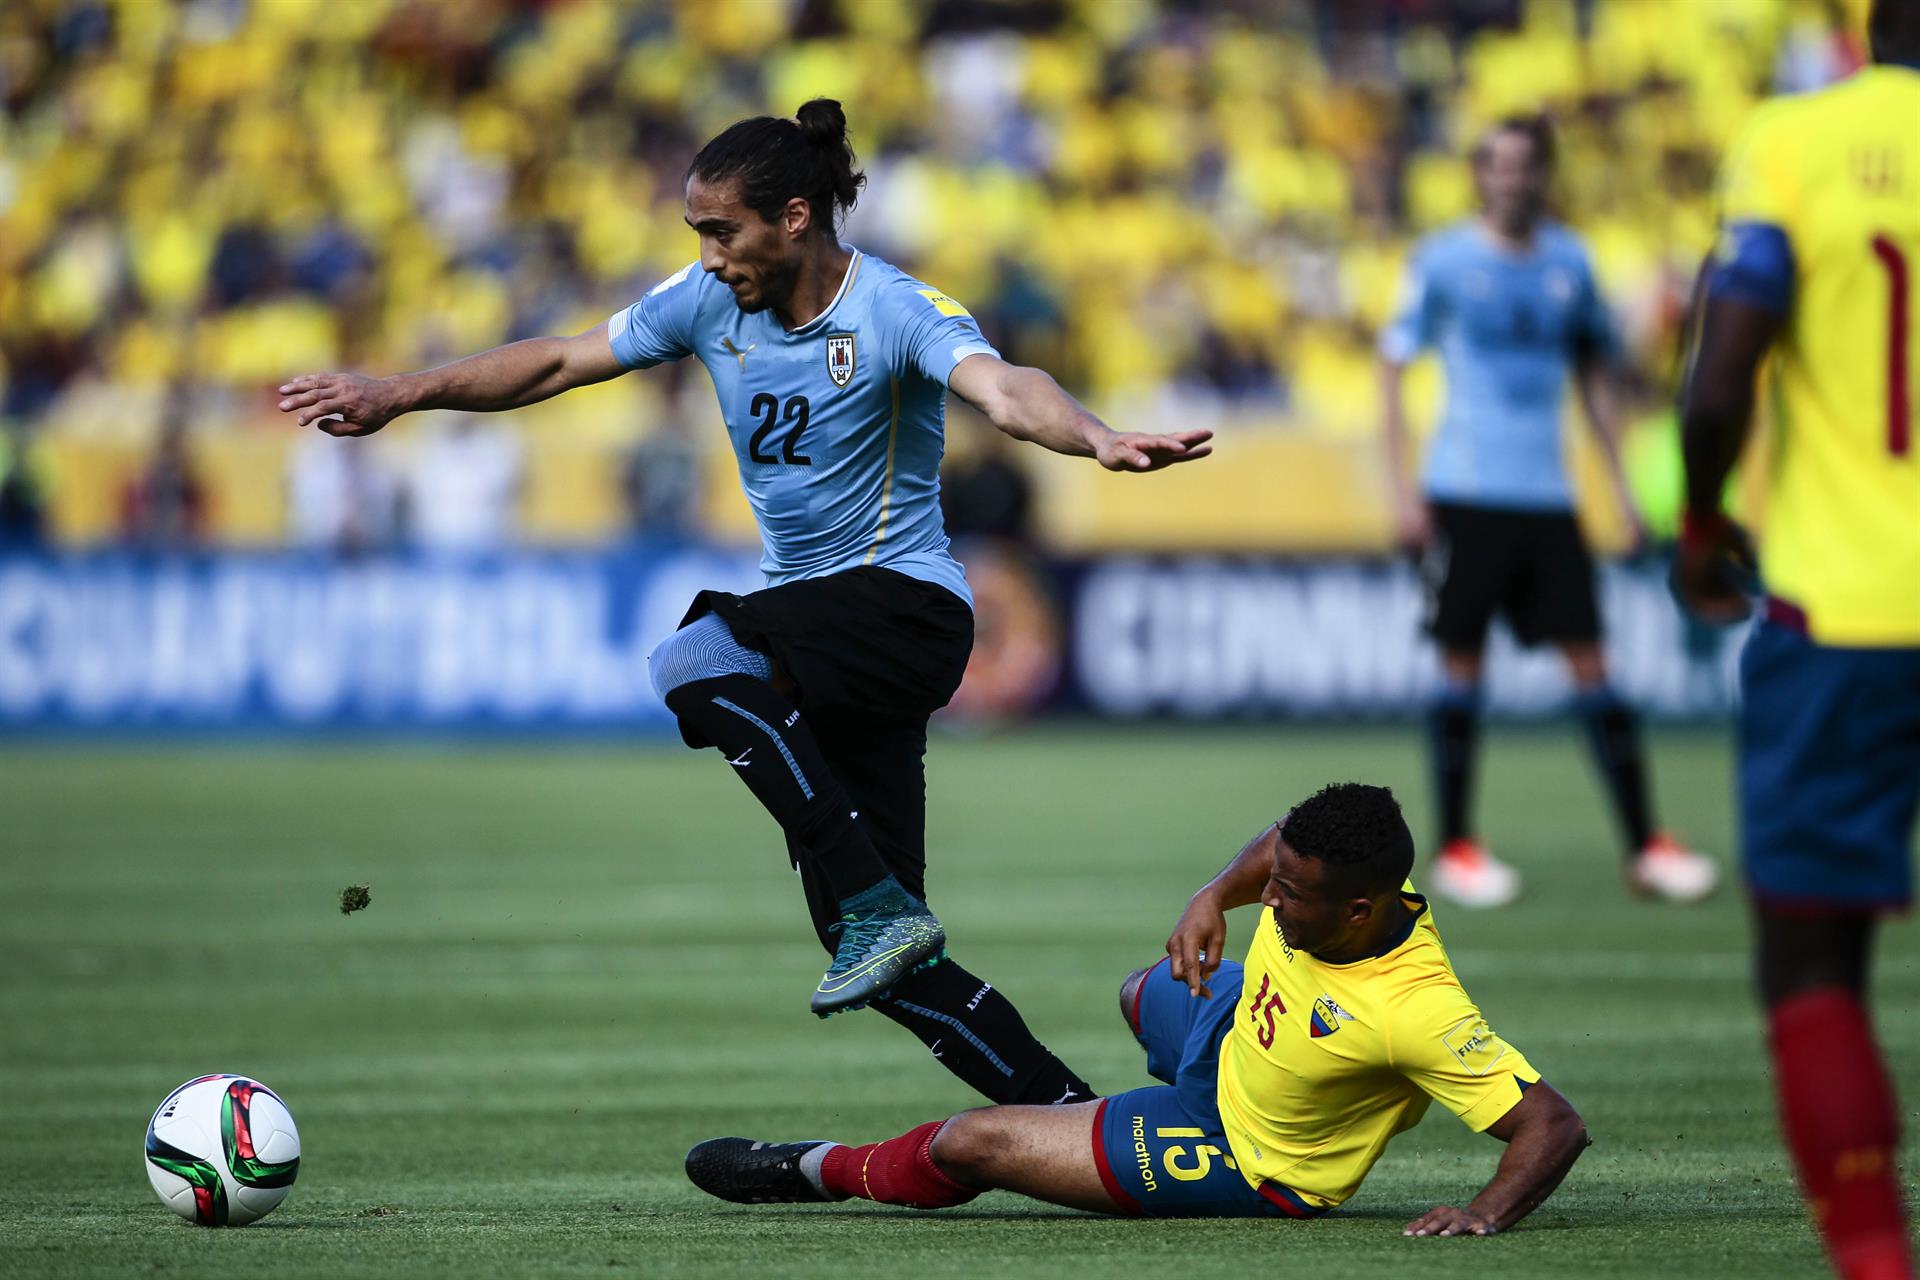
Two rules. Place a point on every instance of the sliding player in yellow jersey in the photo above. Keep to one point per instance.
(1817, 270)
(1284, 1079)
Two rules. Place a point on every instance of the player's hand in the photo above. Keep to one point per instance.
(1713, 570)
(1137, 451)
(1636, 529)
(1195, 947)
(341, 404)
(1445, 1220)
(1412, 524)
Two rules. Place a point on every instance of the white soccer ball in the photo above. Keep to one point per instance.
(222, 1151)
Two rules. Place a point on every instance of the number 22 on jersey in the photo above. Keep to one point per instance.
(767, 408)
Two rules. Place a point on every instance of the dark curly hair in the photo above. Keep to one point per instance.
(1358, 832)
(775, 160)
(1894, 31)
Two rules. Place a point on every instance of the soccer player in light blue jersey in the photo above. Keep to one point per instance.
(832, 369)
(1509, 301)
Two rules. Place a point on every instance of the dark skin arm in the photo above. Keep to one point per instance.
(1200, 938)
(1544, 1136)
(1716, 413)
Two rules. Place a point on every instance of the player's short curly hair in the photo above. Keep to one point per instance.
(1358, 832)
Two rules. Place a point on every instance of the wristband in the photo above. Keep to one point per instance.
(1702, 529)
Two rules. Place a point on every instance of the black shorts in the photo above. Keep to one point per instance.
(863, 646)
(1531, 566)
(871, 654)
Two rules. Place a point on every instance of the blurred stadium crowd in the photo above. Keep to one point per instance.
(1191, 212)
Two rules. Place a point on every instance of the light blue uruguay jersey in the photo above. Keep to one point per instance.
(839, 425)
(1509, 327)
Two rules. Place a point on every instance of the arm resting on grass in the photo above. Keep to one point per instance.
(1544, 1136)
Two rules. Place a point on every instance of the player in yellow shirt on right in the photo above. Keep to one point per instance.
(1283, 1080)
(1816, 270)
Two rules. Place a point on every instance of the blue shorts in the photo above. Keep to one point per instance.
(1829, 771)
(1160, 1150)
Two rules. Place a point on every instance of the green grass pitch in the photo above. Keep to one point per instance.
(579, 961)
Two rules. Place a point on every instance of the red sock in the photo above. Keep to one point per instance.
(897, 1171)
(1842, 1124)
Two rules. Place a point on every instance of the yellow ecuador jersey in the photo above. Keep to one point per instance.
(1326, 1062)
(1837, 173)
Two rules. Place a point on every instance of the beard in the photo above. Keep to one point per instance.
(776, 286)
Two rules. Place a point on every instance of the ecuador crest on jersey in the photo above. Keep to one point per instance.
(1327, 1017)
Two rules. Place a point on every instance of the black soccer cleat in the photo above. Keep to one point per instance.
(749, 1172)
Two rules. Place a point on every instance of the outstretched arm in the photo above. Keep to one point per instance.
(1028, 404)
(1198, 941)
(520, 373)
(1544, 1136)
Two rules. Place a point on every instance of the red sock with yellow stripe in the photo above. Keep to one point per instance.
(898, 1171)
(1840, 1119)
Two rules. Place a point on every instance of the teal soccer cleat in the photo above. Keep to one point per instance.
(885, 934)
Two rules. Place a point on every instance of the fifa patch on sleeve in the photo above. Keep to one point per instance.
(1473, 1043)
(944, 305)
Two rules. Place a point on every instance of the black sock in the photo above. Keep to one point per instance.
(1453, 726)
(762, 735)
(979, 1036)
(1613, 731)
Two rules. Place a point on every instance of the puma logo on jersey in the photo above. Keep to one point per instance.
(737, 353)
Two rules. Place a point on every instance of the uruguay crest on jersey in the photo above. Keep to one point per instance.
(840, 358)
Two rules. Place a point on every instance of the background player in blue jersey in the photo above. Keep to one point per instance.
(1509, 300)
(832, 369)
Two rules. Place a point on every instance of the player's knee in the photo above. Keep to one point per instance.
(1462, 666)
(1587, 666)
(968, 1145)
(1130, 994)
(704, 649)
(1798, 954)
